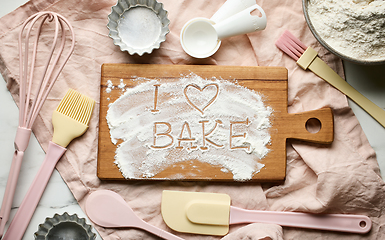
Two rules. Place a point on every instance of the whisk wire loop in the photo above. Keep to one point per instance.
(29, 108)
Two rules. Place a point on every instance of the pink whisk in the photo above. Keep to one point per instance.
(33, 91)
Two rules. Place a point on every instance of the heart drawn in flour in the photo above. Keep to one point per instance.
(201, 98)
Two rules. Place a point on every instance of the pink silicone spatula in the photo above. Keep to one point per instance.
(108, 209)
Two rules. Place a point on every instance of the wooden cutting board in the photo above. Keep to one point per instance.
(270, 81)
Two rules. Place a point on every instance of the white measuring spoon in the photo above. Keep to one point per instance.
(201, 37)
(108, 209)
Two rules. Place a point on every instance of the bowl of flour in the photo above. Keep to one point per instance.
(354, 30)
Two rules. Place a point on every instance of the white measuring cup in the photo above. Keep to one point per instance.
(201, 37)
(230, 8)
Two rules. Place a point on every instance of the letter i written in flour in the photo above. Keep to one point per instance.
(156, 98)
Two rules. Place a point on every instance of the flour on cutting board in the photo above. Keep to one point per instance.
(165, 123)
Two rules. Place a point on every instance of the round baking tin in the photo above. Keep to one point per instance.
(64, 227)
(138, 26)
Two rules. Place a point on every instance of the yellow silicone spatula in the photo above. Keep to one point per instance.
(211, 214)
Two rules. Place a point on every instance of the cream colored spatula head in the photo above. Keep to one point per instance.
(180, 213)
(211, 214)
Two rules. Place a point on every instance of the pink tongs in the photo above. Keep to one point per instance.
(32, 97)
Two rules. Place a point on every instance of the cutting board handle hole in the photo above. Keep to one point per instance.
(313, 125)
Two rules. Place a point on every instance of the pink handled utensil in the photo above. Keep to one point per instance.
(212, 213)
(331, 222)
(307, 58)
(33, 89)
(70, 120)
(108, 209)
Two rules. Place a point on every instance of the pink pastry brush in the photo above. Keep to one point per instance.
(70, 120)
(307, 58)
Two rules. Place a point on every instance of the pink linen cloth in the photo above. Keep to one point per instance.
(339, 178)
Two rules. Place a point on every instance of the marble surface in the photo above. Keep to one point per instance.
(57, 198)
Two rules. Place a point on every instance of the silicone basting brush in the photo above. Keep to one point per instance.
(307, 58)
(70, 120)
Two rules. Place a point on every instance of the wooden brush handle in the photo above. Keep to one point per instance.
(321, 69)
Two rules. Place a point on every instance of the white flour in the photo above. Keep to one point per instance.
(213, 121)
(121, 85)
(356, 28)
(110, 86)
(139, 27)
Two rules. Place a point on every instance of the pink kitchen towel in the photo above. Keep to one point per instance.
(339, 178)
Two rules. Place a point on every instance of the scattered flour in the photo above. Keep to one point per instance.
(164, 123)
(110, 86)
(121, 85)
(356, 28)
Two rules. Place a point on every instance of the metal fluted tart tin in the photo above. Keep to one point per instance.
(138, 26)
(65, 227)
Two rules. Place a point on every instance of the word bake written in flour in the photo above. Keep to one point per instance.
(163, 123)
(185, 135)
(186, 130)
